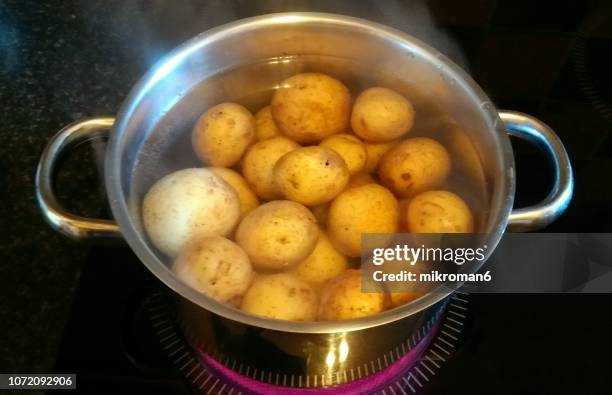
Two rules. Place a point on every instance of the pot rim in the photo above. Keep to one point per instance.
(163, 67)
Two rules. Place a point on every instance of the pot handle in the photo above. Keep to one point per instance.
(537, 132)
(69, 224)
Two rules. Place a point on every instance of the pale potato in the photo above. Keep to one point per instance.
(281, 296)
(311, 106)
(381, 114)
(439, 212)
(311, 175)
(223, 133)
(186, 205)
(278, 234)
(370, 208)
(400, 298)
(342, 299)
(350, 148)
(413, 166)
(375, 151)
(360, 179)
(216, 267)
(258, 165)
(248, 199)
(324, 263)
(265, 127)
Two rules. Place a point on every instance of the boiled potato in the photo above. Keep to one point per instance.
(282, 296)
(413, 166)
(215, 266)
(360, 179)
(380, 114)
(375, 151)
(320, 212)
(369, 208)
(311, 175)
(350, 148)
(311, 106)
(248, 199)
(188, 204)
(342, 299)
(278, 234)
(324, 263)
(223, 133)
(265, 127)
(439, 212)
(400, 298)
(258, 165)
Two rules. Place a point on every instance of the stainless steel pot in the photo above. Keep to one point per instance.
(168, 99)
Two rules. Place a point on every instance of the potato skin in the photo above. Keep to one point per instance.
(439, 212)
(341, 298)
(248, 199)
(278, 234)
(188, 204)
(381, 114)
(311, 175)
(375, 152)
(258, 165)
(223, 133)
(413, 166)
(350, 148)
(324, 263)
(282, 296)
(311, 106)
(369, 208)
(265, 127)
(215, 266)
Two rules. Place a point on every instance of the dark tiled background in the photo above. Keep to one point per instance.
(61, 61)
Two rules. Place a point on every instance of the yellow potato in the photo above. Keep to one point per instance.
(413, 166)
(360, 179)
(311, 106)
(248, 199)
(350, 148)
(400, 298)
(281, 296)
(375, 151)
(366, 209)
(265, 127)
(215, 266)
(439, 212)
(324, 263)
(258, 165)
(311, 175)
(342, 299)
(223, 133)
(188, 204)
(278, 234)
(380, 114)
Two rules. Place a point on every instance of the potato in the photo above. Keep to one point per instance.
(282, 296)
(413, 166)
(320, 212)
(375, 151)
(188, 204)
(366, 209)
(265, 127)
(360, 179)
(324, 263)
(342, 299)
(400, 298)
(215, 266)
(223, 133)
(350, 148)
(278, 234)
(311, 175)
(258, 165)
(380, 114)
(248, 199)
(439, 212)
(311, 106)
